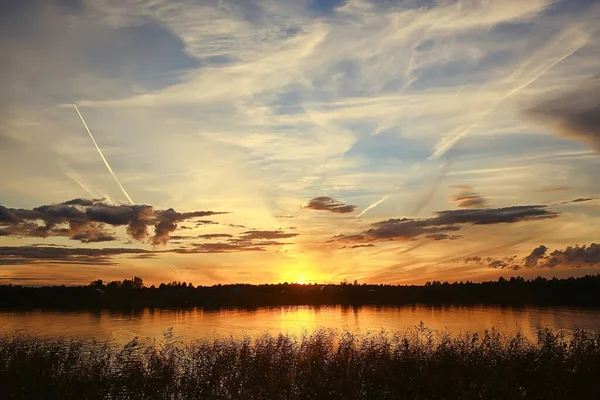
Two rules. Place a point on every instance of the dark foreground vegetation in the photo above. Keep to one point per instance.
(584, 291)
(416, 364)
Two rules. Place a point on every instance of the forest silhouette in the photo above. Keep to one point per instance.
(132, 293)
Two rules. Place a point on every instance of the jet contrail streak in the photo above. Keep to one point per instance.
(449, 141)
(102, 155)
(378, 202)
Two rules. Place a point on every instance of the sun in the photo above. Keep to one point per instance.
(299, 273)
(299, 269)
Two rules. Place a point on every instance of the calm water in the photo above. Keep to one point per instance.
(119, 327)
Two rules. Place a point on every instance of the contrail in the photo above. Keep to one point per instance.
(579, 41)
(378, 202)
(103, 158)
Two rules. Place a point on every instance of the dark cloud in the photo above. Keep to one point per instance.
(579, 200)
(574, 114)
(93, 237)
(554, 189)
(496, 263)
(247, 241)
(253, 235)
(356, 246)
(403, 229)
(7, 216)
(168, 223)
(570, 257)
(226, 247)
(449, 221)
(284, 216)
(442, 236)
(116, 215)
(61, 255)
(82, 216)
(536, 254)
(4, 232)
(494, 215)
(573, 256)
(178, 237)
(214, 236)
(329, 204)
(466, 198)
(80, 202)
(143, 256)
(162, 231)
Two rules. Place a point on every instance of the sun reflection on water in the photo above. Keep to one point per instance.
(188, 324)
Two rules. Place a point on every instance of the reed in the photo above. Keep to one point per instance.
(415, 364)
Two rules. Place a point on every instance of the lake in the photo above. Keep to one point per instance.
(189, 324)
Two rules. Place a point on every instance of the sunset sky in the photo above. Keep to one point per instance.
(296, 140)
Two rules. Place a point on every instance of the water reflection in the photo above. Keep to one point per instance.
(120, 327)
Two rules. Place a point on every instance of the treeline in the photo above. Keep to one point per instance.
(583, 291)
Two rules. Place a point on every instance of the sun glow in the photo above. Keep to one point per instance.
(300, 271)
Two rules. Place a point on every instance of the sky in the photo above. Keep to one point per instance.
(302, 141)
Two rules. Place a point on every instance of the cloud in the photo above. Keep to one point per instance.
(579, 200)
(206, 222)
(226, 247)
(570, 257)
(86, 219)
(214, 235)
(330, 204)
(136, 217)
(22, 255)
(554, 189)
(82, 202)
(162, 231)
(256, 240)
(496, 263)
(7, 217)
(466, 198)
(93, 237)
(536, 254)
(494, 215)
(442, 236)
(573, 256)
(449, 221)
(168, 223)
(357, 246)
(574, 114)
(269, 235)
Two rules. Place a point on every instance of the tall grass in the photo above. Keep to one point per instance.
(415, 364)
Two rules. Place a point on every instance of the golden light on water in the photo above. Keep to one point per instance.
(197, 323)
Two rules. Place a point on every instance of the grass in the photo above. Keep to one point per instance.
(415, 364)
